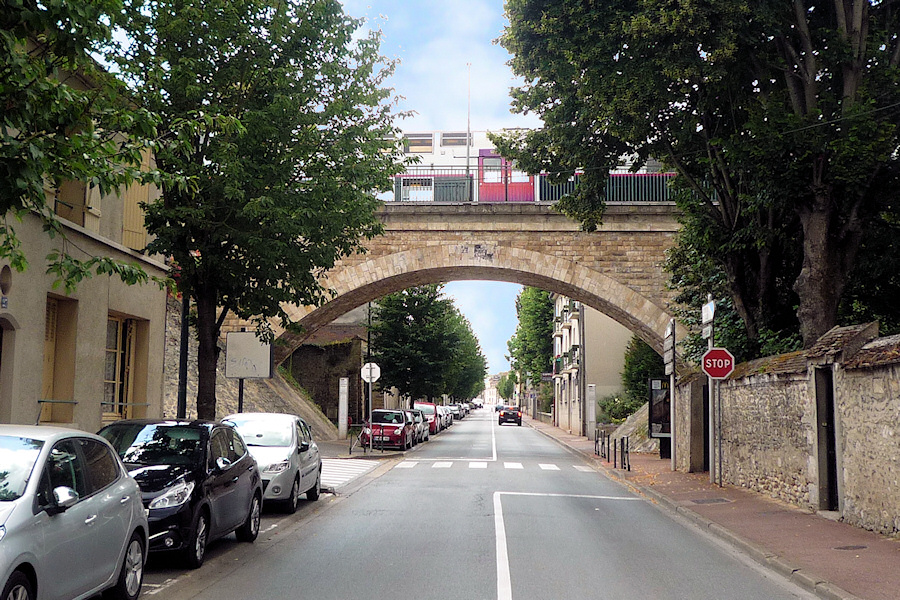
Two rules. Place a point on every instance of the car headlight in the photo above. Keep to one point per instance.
(399, 431)
(176, 495)
(2, 531)
(278, 467)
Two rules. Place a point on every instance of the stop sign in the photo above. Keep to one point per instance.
(718, 363)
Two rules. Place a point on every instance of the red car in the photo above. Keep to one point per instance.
(389, 428)
(431, 414)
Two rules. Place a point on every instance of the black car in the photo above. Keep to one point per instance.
(510, 414)
(197, 480)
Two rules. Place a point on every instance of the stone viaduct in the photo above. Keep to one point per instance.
(616, 269)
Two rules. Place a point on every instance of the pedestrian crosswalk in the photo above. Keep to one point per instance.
(338, 471)
(480, 464)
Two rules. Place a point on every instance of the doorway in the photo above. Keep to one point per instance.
(827, 439)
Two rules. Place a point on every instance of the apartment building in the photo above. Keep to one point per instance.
(589, 355)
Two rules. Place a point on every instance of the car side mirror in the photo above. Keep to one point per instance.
(304, 446)
(222, 463)
(64, 498)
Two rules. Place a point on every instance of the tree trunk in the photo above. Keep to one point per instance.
(828, 253)
(207, 354)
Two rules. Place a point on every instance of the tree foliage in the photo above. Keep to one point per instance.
(425, 347)
(63, 119)
(779, 118)
(641, 363)
(506, 387)
(531, 346)
(276, 115)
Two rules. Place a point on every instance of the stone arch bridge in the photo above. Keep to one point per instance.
(616, 269)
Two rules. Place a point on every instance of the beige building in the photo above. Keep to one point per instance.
(589, 354)
(94, 355)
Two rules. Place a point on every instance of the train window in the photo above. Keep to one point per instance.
(418, 143)
(455, 139)
(491, 170)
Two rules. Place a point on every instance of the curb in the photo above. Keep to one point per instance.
(808, 581)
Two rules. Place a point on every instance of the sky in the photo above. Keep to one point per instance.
(434, 40)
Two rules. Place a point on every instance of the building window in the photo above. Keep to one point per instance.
(418, 143)
(492, 170)
(69, 201)
(117, 376)
(455, 139)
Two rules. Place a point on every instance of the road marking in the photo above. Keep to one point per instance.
(504, 584)
(407, 464)
(584, 468)
(338, 471)
(442, 465)
(546, 467)
(478, 465)
(512, 465)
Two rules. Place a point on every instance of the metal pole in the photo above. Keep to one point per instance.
(672, 402)
(241, 395)
(368, 360)
(719, 430)
(712, 411)
(181, 405)
(469, 135)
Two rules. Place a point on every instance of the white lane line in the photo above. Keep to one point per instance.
(442, 465)
(504, 584)
(512, 465)
(583, 468)
(493, 441)
(546, 467)
(478, 465)
(407, 464)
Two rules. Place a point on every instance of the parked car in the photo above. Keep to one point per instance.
(446, 415)
(71, 518)
(286, 453)
(389, 428)
(420, 425)
(510, 414)
(432, 417)
(197, 479)
(454, 410)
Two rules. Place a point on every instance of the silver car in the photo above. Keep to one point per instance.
(71, 519)
(288, 457)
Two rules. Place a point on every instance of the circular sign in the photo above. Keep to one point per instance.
(370, 372)
(718, 363)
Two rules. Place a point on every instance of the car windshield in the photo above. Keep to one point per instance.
(17, 458)
(387, 417)
(155, 444)
(428, 410)
(264, 433)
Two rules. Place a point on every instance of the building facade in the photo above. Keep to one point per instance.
(589, 355)
(95, 355)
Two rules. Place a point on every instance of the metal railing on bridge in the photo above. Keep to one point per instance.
(429, 183)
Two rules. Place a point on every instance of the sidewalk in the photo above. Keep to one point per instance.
(831, 559)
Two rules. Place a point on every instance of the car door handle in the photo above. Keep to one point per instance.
(124, 499)
(90, 519)
(235, 479)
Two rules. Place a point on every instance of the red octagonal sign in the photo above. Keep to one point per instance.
(718, 363)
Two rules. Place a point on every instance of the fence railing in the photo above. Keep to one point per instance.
(614, 450)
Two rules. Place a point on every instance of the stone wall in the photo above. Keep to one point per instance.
(867, 403)
(772, 432)
(768, 428)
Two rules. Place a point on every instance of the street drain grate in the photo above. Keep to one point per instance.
(710, 500)
(851, 547)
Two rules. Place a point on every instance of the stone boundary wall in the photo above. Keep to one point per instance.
(770, 428)
(867, 402)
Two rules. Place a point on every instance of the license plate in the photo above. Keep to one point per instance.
(382, 438)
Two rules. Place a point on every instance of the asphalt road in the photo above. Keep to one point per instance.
(480, 512)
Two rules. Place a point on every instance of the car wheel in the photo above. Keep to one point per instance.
(312, 494)
(195, 551)
(290, 505)
(18, 587)
(128, 587)
(250, 529)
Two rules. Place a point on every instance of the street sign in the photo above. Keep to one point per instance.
(370, 372)
(718, 363)
(708, 312)
(706, 332)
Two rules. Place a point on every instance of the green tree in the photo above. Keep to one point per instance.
(464, 377)
(506, 387)
(778, 117)
(531, 347)
(63, 119)
(411, 341)
(641, 363)
(276, 115)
